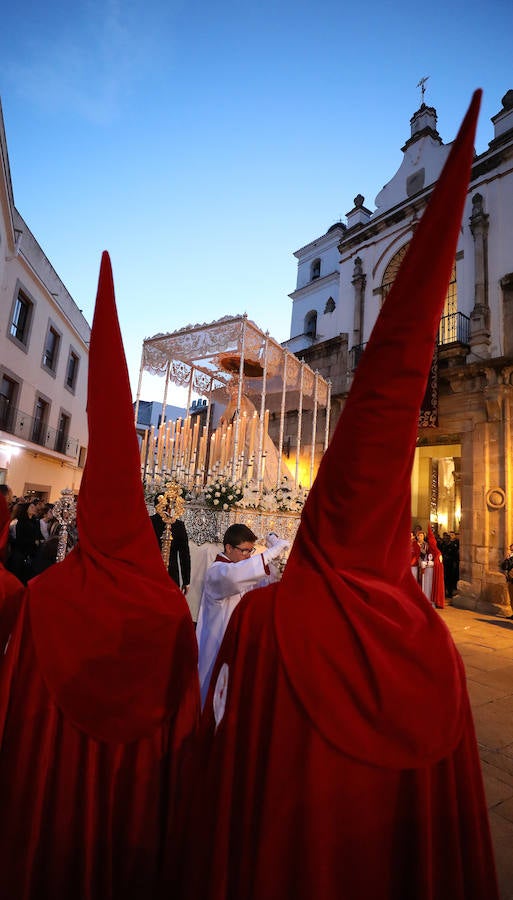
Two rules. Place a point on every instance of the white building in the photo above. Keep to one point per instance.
(44, 341)
(463, 474)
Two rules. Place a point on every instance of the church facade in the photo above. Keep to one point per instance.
(463, 472)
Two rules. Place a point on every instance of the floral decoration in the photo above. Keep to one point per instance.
(280, 499)
(222, 493)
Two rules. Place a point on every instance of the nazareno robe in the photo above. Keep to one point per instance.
(280, 811)
(337, 757)
(80, 817)
(99, 690)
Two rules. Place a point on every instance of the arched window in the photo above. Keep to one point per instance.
(391, 271)
(311, 323)
(315, 270)
(448, 324)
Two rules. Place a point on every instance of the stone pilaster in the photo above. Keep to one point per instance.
(485, 486)
(480, 315)
(506, 284)
(358, 281)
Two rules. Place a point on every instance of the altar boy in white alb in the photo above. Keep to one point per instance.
(232, 574)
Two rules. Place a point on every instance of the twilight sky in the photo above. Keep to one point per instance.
(202, 143)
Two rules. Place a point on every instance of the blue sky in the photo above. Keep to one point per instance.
(202, 143)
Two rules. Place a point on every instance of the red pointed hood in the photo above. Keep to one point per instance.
(113, 633)
(361, 647)
(431, 541)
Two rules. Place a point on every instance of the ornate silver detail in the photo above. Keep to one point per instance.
(65, 511)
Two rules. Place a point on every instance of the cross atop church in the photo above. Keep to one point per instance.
(422, 86)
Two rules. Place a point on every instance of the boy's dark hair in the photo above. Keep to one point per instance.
(238, 533)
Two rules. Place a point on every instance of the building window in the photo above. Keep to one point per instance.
(450, 322)
(311, 324)
(72, 371)
(391, 272)
(40, 419)
(8, 395)
(51, 351)
(82, 457)
(315, 270)
(330, 305)
(21, 318)
(62, 433)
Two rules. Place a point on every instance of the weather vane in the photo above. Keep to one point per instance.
(422, 86)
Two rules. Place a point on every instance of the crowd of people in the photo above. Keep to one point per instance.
(33, 535)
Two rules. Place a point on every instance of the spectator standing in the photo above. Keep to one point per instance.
(507, 568)
(179, 566)
(26, 541)
(450, 558)
(45, 522)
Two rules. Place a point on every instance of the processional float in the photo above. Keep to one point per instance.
(264, 391)
(233, 362)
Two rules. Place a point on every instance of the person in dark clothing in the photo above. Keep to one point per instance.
(507, 566)
(451, 559)
(179, 566)
(27, 539)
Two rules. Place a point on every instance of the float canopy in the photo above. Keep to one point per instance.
(209, 357)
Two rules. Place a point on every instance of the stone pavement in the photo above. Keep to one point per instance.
(486, 646)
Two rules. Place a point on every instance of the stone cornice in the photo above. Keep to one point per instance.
(328, 239)
(496, 372)
(312, 286)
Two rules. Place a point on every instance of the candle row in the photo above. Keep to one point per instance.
(182, 451)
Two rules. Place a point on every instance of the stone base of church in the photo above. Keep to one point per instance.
(490, 598)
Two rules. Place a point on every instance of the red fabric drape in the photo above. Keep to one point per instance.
(99, 689)
(438, 587)
(344, 762)
(82, 819)
(279, 812)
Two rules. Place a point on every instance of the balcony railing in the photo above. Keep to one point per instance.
(453, 329)
(18, 423)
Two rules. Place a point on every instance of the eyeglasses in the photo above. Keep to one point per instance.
(247, 551)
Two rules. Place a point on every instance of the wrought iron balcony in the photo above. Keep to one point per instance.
(18, 423)
(454, 329)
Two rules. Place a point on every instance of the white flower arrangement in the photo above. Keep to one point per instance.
(280, 499)
(222, 494)
(250, 496)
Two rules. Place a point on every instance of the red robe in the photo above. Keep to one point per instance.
(281, 812)
(82, 818)
(337, 755)
(99, 690)
(438, 585)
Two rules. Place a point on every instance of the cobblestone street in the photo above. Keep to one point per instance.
(486, 645)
